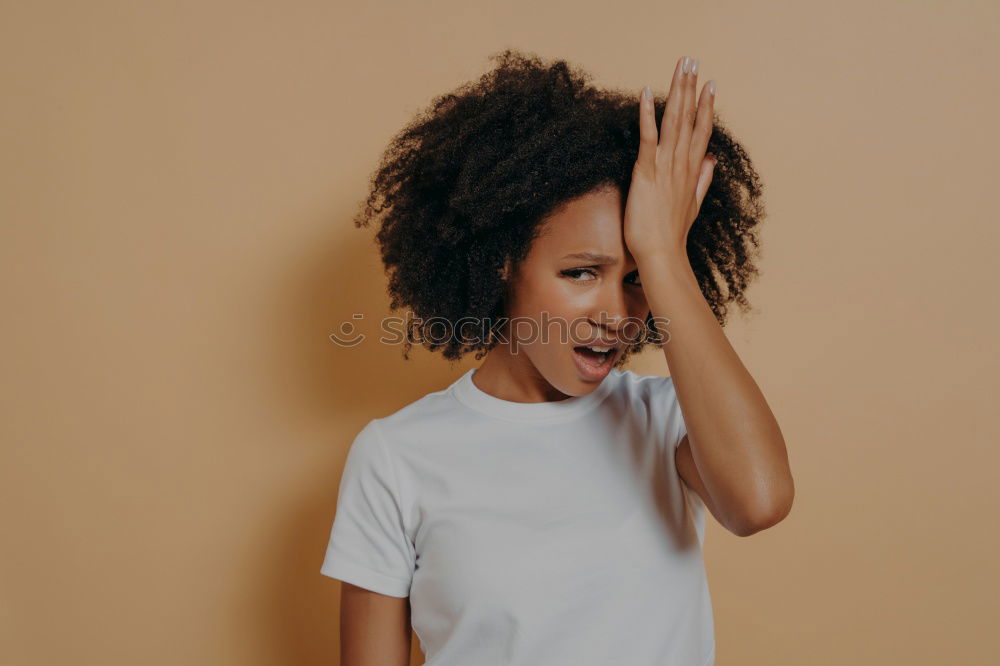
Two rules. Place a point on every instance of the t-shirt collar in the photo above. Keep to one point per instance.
(466, 391)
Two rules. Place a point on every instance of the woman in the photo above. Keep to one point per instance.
(548, 507)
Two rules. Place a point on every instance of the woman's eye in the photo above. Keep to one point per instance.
(576, 272)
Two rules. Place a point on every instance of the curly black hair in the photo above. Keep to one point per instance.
(462, 189)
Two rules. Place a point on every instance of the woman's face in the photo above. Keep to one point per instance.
(577, 285)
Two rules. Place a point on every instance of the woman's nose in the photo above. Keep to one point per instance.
(611, 309)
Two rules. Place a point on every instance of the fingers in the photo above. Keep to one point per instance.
(647, 131)
(687, 123)
(686, 119)
(707, 171)
(672, 111)
(703, 129)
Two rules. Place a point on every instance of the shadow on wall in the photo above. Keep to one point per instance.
(342, 388)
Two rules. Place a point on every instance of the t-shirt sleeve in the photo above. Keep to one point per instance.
(368, 544)
(675, 416)
(678, 429)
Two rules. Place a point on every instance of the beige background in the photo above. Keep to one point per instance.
(178, 180)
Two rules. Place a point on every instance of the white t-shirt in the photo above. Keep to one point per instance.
(531, 534)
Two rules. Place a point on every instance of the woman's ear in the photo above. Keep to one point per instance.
(505, 271)
(507, 277)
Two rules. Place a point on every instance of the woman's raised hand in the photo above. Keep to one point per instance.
(672, 172)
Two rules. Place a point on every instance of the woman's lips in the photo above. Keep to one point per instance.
(590, 367)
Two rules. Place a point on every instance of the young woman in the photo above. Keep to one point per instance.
(548, 507)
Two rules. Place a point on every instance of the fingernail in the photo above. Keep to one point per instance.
(647, 94)
(685, 64)
(711, 87)
(694, 67)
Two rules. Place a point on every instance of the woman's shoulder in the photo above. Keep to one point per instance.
(629, 380)
(429, 412)
(655, 396)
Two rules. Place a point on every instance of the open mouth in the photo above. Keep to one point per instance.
(595, 355)
(594, 362)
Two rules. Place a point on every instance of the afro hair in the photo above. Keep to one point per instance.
(461, 191)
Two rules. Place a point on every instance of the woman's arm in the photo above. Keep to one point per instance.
(374, 628)
(734, 456)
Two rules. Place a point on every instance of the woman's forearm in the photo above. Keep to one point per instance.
(734, 437)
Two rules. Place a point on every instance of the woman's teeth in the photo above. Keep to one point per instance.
(596, 354)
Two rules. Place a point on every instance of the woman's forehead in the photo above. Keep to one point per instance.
(592, 223)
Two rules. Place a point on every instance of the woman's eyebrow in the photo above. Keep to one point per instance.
(593, 257)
